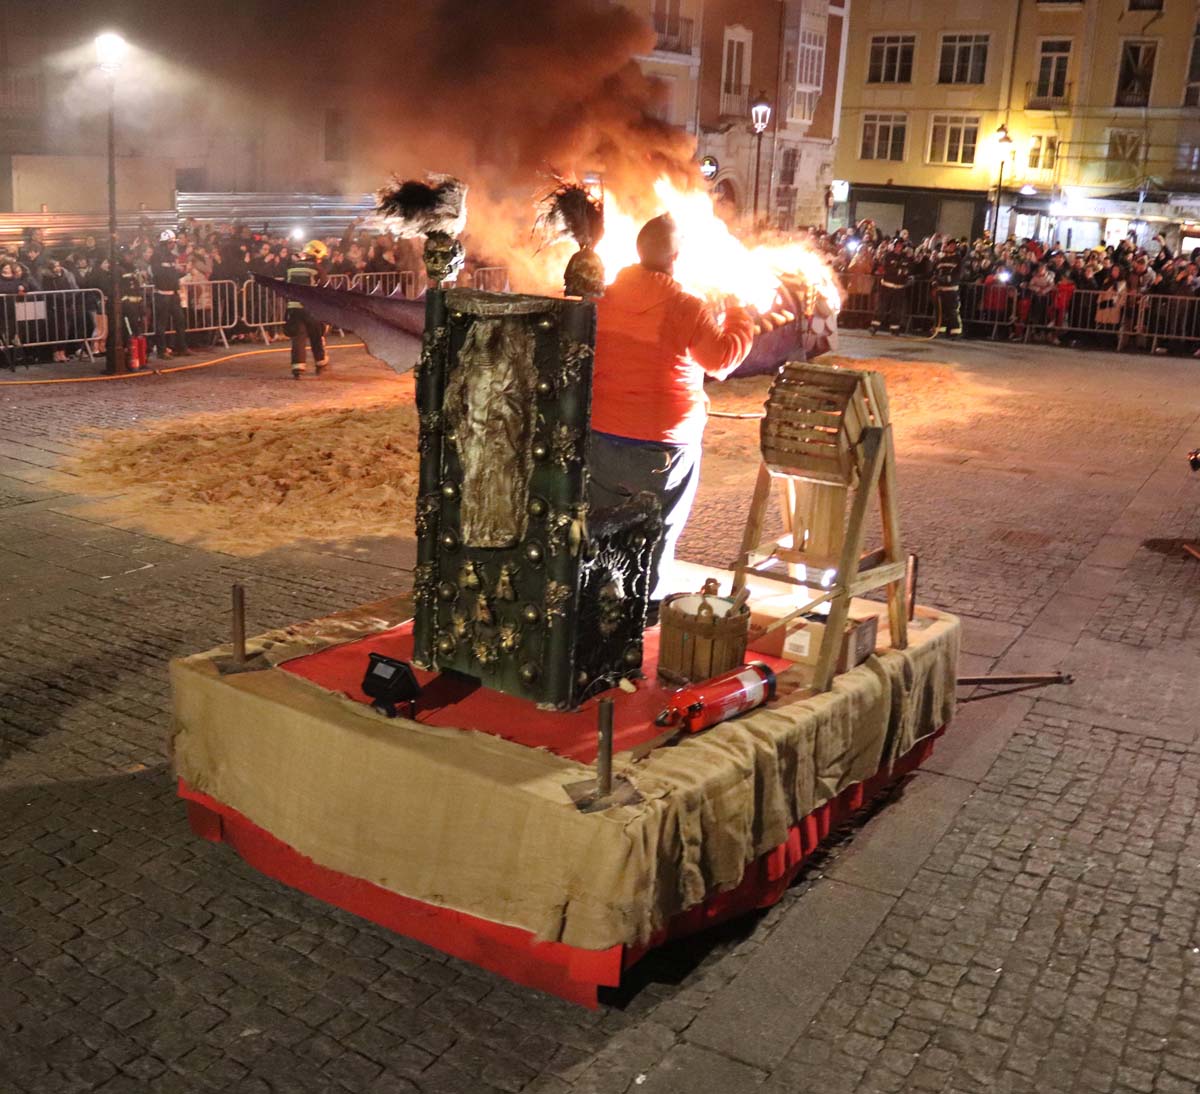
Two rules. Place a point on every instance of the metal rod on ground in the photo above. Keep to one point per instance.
(1027, 679)
(604, 751)
(239, 624)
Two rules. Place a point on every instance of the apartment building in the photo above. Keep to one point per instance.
(1072, 119)
(721, 57)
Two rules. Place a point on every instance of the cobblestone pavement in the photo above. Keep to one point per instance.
(1021, 916)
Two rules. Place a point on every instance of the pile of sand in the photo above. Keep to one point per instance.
(247, 481)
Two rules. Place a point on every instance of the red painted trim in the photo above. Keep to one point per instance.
(566, 971)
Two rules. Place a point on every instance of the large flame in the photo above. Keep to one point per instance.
(713, 263)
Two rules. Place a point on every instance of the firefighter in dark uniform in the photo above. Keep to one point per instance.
(133, 296)
(947, 276)
(895, 275)
(300, 326)
(168, 308)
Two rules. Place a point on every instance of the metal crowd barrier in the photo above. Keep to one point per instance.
(1141, 321)
(387, 282)
(491, 279)
(207, 305)
(62, 318)
(336, 281)
(262, 308)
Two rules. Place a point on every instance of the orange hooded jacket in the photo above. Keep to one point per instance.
(654, 345)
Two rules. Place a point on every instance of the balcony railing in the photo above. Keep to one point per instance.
(1047, 96)
(674, 35)
(736, 102)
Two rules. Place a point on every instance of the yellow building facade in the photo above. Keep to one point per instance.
(1081, 116)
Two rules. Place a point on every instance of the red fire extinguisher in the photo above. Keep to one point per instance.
(698, 706)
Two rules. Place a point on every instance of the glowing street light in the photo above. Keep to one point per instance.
(760, 118)
(111, 51)
(1004, 143)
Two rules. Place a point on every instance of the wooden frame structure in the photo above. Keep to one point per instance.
(827, 434)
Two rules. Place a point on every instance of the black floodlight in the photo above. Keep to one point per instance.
(389, 683)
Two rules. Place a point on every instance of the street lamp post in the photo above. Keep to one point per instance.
(111, 49)
(1005, 142)
(760, 118)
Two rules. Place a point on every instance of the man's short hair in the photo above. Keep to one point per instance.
(658, 243)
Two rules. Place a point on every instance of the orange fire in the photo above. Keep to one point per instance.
(713, 263)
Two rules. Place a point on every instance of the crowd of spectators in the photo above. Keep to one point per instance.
(1026, 290)
(161, 268)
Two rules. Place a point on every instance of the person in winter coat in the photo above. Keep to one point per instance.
(655, 345)
(168, 308)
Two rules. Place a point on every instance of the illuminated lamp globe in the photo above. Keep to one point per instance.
(760, 113)
(111, 51)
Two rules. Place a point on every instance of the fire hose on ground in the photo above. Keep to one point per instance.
(163, 371)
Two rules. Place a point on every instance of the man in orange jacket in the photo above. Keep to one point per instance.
(655, 344)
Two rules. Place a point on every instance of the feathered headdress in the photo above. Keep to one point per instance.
(415, 208)
(572, 211)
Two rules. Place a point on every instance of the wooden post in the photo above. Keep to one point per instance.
(239, 624)
(889, 506)
(839, 612)
(752, 537)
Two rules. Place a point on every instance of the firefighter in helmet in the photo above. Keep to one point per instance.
(300, 326)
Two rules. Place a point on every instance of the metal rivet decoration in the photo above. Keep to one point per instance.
(450, 540)
(633, 655)
(528, 673)
(533, 552)
(546, 324)
(545, 387)
(537, 507)
(541, 450)
(449, 491)
(445, 644)
(447, 591)
(531, 614)
(582, 679)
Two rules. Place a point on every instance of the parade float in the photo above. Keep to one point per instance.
(493, 764)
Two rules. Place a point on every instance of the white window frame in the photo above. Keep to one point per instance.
(987, 57)
(737, 100)
(876, 118)
(1041, 42)
(808, 79)
(1191, 88)
(951, 120)
(897, 38)
(1142, 40)
(1044, 140)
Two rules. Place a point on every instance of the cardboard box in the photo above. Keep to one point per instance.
(800, 640)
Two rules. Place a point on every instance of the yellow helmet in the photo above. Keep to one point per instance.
(317, 249)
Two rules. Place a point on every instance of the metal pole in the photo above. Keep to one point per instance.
(996, 214)
(115, 358)
(757, 165)
(604, 751)
(239, 624)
